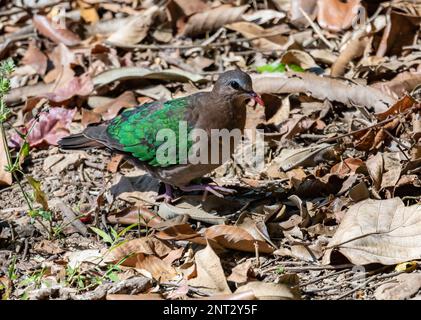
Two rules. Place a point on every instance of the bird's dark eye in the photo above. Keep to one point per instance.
(235, 85)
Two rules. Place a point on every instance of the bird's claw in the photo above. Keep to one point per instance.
(167, 196)
(215, 190)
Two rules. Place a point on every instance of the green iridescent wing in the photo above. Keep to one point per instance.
(136, 130)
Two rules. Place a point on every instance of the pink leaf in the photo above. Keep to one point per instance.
(48, 129)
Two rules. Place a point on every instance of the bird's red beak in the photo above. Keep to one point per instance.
(257, 98)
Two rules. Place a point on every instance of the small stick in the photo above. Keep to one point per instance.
(317, 29)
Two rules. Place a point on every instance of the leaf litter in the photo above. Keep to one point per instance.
(340, 188)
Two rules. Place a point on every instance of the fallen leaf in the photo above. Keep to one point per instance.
(213, 19)
(403, 287)
(241, 273)
(132, 215)
(378, 231)
(210, 275)
(136, 29)
(51, 30)
(35, 58)
(236, 238)
(337, 15)
(269, 291)
(273, 41)
(127, 73)
(110, 109)
(81, 86)
(50, 127)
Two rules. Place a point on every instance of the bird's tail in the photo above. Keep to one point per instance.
(91, 137)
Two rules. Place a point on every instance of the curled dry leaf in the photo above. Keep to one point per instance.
(213, 19)
(378, 231)
(52, 31)
(127, 73)
(353, 49)
(136, 29)
(236, 238)
(210, 275)
(346, 92)
(50, 127)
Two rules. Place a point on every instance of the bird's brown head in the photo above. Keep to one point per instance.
(236, 85)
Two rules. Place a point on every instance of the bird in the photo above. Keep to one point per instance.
(133, 132)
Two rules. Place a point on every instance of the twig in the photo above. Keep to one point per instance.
(359, 130)
(317, 29)
(323, 277)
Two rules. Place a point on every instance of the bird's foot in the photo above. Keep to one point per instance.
(216, 190)
(168, 195)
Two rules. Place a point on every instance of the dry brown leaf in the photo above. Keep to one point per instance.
(136, 29)
(115, 162)
(241, 273)
(272, 42)
(236, 238)
(400, 85)
(158, 269)
(190, 7)
(49, 29)
(36, 59)
(337, 15)
(145, 245)
(178, 232)
(89, 117)
(322, 88)
(110, 109)
(348, 166)
(81, 86)
(404, 286)
(210, 275)
(378, 231)
(270, 291)
(400, 31)
(213, 19)
(133, 215)
(399, 107)
(299, 58)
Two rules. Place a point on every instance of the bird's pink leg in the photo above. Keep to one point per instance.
(208, 188)
(168, 195)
